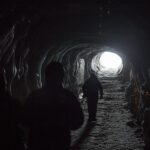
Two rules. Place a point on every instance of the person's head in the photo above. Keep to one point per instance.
(54, 73)
(2, 84)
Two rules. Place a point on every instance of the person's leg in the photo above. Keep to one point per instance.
(92, 108)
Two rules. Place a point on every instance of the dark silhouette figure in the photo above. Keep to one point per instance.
(52, 112)
(91, 88)
(10, 130)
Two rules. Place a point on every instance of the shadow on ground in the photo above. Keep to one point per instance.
(85, 132)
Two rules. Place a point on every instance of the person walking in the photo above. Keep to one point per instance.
(50, 113)
(11, 133)
(90, 89)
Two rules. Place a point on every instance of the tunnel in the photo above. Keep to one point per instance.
(77, 34)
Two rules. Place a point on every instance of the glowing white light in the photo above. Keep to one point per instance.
(110, 64)
(110, 60)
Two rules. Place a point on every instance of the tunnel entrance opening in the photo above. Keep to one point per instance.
(107, 64)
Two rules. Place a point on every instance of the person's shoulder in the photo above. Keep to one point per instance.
(10, 98)
(40, 90)
(13, 101)
(70, 95)
(68, 92)
(34, 96)
(36, 93)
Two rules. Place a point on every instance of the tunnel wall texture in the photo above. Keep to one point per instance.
(31, 35)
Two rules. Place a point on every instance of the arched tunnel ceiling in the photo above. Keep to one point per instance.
(32, 33)
(120, 24)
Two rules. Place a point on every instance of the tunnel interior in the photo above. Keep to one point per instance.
(77, 34)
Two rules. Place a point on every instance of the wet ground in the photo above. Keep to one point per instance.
(115, 128)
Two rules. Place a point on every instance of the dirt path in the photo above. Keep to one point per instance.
(111, 131)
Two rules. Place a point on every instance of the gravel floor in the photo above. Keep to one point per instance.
(111, 131)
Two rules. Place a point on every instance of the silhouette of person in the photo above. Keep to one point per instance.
(90, 89)
(10, 131)
(52, 112)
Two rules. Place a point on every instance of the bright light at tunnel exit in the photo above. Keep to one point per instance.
(110, 60)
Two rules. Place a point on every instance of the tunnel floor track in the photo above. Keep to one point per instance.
(111, 131)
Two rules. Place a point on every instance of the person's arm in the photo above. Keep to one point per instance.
(76, 117)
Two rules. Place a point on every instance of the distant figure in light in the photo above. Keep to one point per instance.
(52, 112)
(90, 89)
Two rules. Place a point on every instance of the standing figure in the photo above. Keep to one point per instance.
(11, 133)
(90, 89)
(50, 113)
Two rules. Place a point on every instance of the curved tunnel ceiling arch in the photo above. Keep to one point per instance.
(70, 53)
(78, 50)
